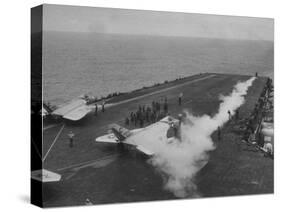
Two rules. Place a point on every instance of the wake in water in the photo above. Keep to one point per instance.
(180, 161)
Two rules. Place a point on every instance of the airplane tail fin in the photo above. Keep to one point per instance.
(120, 132)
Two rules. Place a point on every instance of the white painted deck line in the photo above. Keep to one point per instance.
(160, 91)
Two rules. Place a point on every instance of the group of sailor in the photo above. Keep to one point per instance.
(148, 114)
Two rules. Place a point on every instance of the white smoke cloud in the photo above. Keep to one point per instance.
(180, 161)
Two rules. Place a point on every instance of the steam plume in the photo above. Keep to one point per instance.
(180, 161)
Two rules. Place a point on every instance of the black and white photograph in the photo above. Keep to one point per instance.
(141, 105)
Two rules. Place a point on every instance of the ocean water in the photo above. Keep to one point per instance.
(99, 64)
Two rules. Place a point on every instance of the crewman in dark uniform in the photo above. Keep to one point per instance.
(132, 117)
(96, 109)
(229, 115)
(180, 119)
(141, 122)
(135, 119)
(127, 121)
(71, 137)
(180, 98)
(219, 133)
(171, 131)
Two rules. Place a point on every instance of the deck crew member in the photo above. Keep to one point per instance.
(219, 133)
(158, 106)
(229, 115)
(171, 131)
(143, 108)
(180, 98)
(152, 117)
(147, 115)
(140, 108)
(135, 119)
(127, 121)
(96, 109)
(176, 130)
(132, 117)
(153, 106)
(180, 119)
(141, 122)
(71, 136)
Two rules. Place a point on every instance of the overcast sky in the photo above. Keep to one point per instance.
(120, 21)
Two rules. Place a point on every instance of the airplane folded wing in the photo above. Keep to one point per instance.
(74, 111)
(61, 111)
(78, 113)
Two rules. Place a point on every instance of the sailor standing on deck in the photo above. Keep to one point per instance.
(229, 115)
(127, 121)
(180, 119)
(135, 119)
(171, 130)
(71, 136)
(180, 98)
(219, 133)
(96, 109)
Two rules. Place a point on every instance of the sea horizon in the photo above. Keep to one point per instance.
(99, 64)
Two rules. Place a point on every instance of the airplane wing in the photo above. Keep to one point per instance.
(78, 113)
(109, 138)
(61, 111)
(74, 111)
(145, 151)
(45, 176)
(131, 137)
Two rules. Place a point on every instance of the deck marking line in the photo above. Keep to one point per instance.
(159, 91)
(87, 162)
(56, 138)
